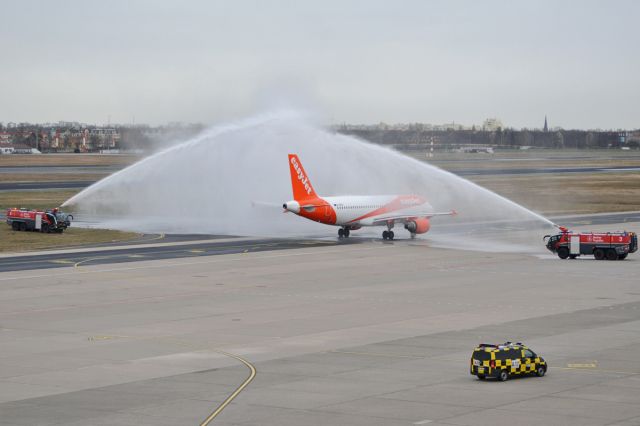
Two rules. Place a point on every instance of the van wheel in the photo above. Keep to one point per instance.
(541, 371)
(598, 254)
(504, 376)
(481, 376)
(612, 254)
(563, 252)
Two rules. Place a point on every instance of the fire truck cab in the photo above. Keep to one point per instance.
(602, 245)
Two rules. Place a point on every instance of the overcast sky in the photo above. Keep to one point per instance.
(350, 61)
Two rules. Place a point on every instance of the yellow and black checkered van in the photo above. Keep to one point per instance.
(503, 361)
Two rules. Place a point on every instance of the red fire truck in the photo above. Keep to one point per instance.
(37, 220)
(602, 245)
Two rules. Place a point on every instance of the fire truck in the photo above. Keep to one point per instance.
(602, 245)
(38, 220)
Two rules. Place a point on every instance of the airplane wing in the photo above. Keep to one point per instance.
(403, 218)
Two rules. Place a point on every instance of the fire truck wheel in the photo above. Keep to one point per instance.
(23, 226)
(563, 252)
(622, 256)
(15, 226)
(45, 228)
(612, 255)
(598, 254)
(573, 256)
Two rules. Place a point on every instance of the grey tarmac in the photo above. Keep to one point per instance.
(370, 333)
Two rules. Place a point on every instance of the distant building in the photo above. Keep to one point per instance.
(492, 124)
(24, 149)
(6, 147)
(5, 137)
(546, 127)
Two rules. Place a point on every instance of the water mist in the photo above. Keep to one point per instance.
(232, 179)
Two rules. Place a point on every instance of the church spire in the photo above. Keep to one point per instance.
(545, 128)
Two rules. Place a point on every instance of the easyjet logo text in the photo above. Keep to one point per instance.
(301, 177)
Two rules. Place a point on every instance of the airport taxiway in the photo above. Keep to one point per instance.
(465, 172)
(358, 334)
(158, 247)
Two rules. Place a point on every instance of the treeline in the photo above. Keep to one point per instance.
(507, 138)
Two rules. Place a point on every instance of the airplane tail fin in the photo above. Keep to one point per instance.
(300, 182)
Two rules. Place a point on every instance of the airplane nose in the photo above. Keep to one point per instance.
(292, 206)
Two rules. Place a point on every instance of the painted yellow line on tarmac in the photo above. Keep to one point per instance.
(62, 261)
(252, 375)
(159, 237)
(93, 338)
(151, 253)
(75, 265)
(379, 354)
(584, 365)
(596, 370)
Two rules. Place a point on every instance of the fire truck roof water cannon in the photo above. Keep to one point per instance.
(602, 245)
(46, 221)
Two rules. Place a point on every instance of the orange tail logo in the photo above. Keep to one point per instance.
(299, 180)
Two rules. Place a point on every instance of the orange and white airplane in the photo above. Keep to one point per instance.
(351, 212)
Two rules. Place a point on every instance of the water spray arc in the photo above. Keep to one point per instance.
(229, 179)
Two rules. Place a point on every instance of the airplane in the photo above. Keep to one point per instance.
(352, 212)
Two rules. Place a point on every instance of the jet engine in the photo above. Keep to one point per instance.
(292, 206)
(418, 226)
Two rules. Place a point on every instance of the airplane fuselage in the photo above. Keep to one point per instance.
(355, 211)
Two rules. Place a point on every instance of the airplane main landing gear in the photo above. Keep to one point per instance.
(388, 234)
(343, 233)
